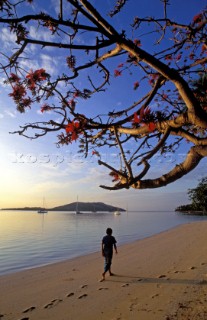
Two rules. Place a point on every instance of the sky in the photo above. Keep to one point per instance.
(35, 169)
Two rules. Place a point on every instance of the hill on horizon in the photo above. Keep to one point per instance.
(82, 206)
(87, 206)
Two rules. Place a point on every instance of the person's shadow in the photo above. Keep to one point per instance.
(162, 279)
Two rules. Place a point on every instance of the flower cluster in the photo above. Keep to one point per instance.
(145, 118)
(45, 107)
(73, 130)
(20, 87)
(34, 77)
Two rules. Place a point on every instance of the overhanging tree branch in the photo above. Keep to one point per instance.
(160, 113)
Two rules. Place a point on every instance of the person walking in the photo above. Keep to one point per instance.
(108, 243)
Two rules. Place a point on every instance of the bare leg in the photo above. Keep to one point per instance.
(111, 274)
(103, 277)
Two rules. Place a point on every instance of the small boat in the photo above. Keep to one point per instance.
(117, 213)
(94, 209)
(77, 211)
(42, 210)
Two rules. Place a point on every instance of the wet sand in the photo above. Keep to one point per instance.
(160, 277)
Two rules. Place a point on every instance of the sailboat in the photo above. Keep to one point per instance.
(42, 210)
(117, 213)
(94, 209)
(77, 211)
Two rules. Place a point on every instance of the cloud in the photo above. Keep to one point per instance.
(7, 38)
(2, 84)
(10, 113)
(56, 6)
(29, 64)
(93, 176)
(45, 61)
(45, 35)
(49, 64)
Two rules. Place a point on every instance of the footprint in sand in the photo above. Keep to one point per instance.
(162, 276)
(29, 309)
(82, 296)
(103, 288)
(155, 295)
(133, 304)
(125, 285)
(84, 286)
(53, 303)
(24, 319)
(1, 315)
(70, 294)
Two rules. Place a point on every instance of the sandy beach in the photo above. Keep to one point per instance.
(160, 277)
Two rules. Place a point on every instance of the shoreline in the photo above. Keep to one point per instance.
(159, 277)
(80, 256)
(23, 269)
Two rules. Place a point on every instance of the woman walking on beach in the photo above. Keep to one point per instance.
(108, 243)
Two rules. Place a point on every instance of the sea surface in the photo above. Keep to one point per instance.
(29, 239)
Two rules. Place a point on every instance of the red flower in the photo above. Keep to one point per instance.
(137, 42)
(76, 94)
(45, 107)
(26, 102)
(94, 152)
(198, 18)
(73, 128)
(34, 77)
(31, 85)
(37, 75)
(179, 56)
(136, 85)
(153, 77)
(151, 126)
(164, 96)
(72, 104)
(14, 78)
(117, 73)
(192, 56)
(144, 112)
(18, 92)
(114, 175)
(168, 57)
(136, 118)
(204, 48)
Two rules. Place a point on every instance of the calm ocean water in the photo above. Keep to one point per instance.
(29, 239)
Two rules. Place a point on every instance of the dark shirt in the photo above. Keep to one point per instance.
(108, 242)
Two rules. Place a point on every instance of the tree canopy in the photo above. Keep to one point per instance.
(160, 62)
(198, 197)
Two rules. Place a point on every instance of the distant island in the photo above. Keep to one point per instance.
(189, 210)
(82, 206)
